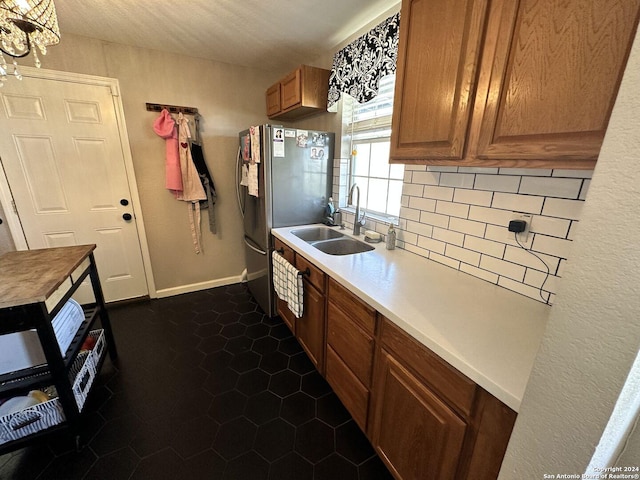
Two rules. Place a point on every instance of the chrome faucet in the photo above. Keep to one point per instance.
(358, 221)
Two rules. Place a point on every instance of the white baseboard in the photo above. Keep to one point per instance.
(195, 287)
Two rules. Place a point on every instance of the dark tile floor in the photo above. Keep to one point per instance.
(206, 387)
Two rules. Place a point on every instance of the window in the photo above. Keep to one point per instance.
(369, 128)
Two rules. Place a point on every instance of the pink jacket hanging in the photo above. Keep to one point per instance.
(166, 128)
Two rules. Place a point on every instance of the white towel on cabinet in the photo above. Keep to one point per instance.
(288, 283)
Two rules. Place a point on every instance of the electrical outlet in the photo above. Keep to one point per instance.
(522, 236)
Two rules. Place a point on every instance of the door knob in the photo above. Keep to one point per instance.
(127, 216)
(124, 202)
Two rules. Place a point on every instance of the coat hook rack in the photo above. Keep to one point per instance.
(157, 107)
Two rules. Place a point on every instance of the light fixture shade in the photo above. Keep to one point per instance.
(27, 22)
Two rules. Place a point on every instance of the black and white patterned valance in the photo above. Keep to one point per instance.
(358, 68)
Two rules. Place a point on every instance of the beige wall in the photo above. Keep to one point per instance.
(229, 98)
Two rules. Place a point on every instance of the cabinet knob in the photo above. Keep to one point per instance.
(127, 216)
(124, 202)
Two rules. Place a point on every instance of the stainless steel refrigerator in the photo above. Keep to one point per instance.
(294, 179)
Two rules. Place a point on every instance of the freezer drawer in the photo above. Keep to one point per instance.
(259, 275)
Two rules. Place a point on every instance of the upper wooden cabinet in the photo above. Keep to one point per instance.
(437, 60)
(301, 93)
(526, 83)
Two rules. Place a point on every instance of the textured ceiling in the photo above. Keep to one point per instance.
(273, 34)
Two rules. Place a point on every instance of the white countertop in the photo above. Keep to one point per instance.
(487, 332)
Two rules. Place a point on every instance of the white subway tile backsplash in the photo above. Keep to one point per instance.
(523, 289)
(425, 204)
(551, 187)
(573, 173)
(467, 226)
(498, 183)
(558, 247)
(502, 234)
(438, 193)
(518, 203)
(463, 180)
(502, 268)
(420, 228)
(522, 257)
(490, 215)
(412, 189)
(557, 207)
(426, 178)
(531, 172)
(472, 197)
(417, 250)
(462, 254)
(488, 247)
(448, 236)
(478, 272)
(410, 214)
(458, 216)
(555, 227)
(415, 168)
(434, 219)
(536, 279)
(407, 237)
(432, 168)
(453, 209)
(478, 170)
(449, 262)
(432, 245)
(585, 189)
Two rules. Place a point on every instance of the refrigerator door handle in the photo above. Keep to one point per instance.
(240, 206)
(249, 243)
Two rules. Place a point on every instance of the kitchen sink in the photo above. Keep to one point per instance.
(315, 234)
(342, 246)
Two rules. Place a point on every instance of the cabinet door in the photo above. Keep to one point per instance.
(554, 78)
(414, 432)
(437, 59)
(310, 327)
(273, 99)
(290, 88)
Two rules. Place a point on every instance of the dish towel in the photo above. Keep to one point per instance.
(287, 282)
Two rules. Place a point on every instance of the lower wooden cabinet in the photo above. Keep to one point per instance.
(430, 421)
(425, 419)
(351, 392)
(417, 435)
(351, 327)
(310, 327)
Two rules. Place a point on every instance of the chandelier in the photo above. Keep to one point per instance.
(25, 25)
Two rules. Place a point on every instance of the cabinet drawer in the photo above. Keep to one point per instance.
(285, 251)
(452, 385)
(353, 394)
(316, 276)
(357, 310)
(351, 343)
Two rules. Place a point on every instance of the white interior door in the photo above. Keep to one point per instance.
(62, 155)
